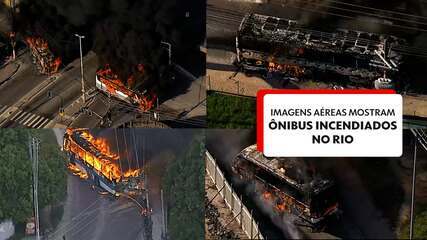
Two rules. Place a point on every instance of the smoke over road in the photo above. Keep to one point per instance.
(123, 33)
(369, 191)
(404, 19)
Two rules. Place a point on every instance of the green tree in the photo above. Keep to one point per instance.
(420, 224)
(184, 190)
(16, 173)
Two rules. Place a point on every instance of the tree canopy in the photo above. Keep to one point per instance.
(184, 188)
(16, 173)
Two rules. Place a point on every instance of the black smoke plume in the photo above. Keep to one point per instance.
(123, 33)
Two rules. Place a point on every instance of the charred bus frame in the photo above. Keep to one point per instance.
(311, 200)
(268, 45)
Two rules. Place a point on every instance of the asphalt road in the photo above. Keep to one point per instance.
(90, 215)
(23, 81)
(66, 90)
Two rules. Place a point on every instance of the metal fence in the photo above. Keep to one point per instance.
(242, 215)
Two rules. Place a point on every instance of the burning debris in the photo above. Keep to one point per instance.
(291, 69)
(110, 83)
(43, 58)
(289, 185)
(77, 171)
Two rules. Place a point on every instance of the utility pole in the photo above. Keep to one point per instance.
(145, 167)
(34, 157)
(12, 34)
(81, 65)
(156, 114)
(414, 172)
(164, 232)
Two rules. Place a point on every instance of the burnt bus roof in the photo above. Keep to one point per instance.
(76, 136)
(293, 171)
(256, 29)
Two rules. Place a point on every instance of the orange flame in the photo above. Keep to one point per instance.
(293, 70)
(281, 207)
(77, 171)
(43, 56)
(132, 173)
(105, 163)
(267, 195)
(101, 144)
(113, 84)
(38, 43)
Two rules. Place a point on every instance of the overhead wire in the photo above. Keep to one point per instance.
(127, 150)
(237, 18)
(171, 117)
(136, 149)
(118, 151)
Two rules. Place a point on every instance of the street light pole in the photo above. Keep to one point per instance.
(414, 172)
(81, 65)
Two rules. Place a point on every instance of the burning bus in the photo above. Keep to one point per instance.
(107, 81)
(282, 48)
(290, 185)
(45, 61)
(91, 158)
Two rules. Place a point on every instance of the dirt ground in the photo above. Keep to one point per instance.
(225, 217)
(415, 105)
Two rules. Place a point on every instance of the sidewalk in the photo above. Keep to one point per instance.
(8, 71)
(234, 82)
(69, 113)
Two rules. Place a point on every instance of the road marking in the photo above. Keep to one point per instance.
(31, 119)
(24, 117)
(27, 119)
(42, 124)
(36, 123)
(15, 114)
(2, 109)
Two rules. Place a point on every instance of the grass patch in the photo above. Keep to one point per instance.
(226, 111)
